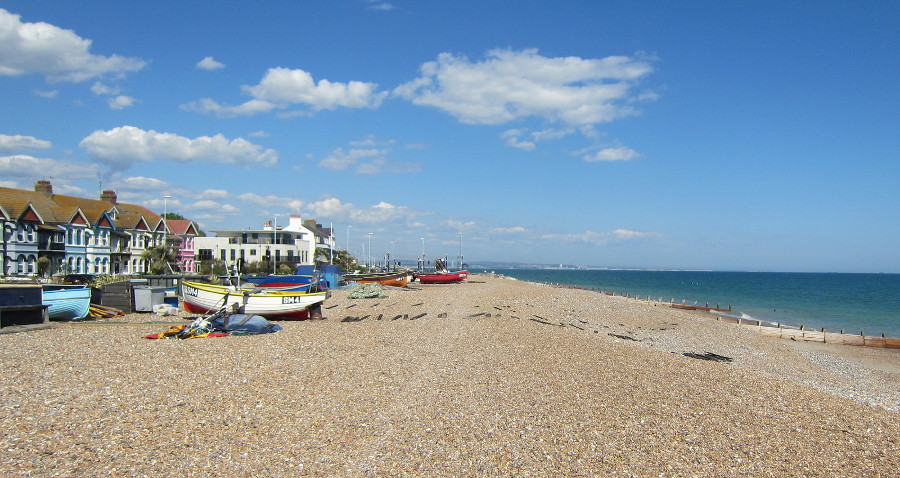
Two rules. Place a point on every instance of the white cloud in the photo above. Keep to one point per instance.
(508, 230)
(365, 160)
(620, 153)
(122, 146)
(625, 234)
(209, 63)
(46, 94)
(382, 212)
(209, 106)
(338, 160)
(60, 55)
(271, 201)
(286, 86)
(383, 6)
(331, 207)
(120, 102)
(141, 183)
(517, 137)
(282, 88)
(600, 238)
(13, 143)
(102, 89)
(259, 134)
(510, 85)
(215, 194)
(513, 138)
(209, 205)
(24, 166)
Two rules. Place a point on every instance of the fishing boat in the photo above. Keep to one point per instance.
(396, 279)
(302, 280)
(447, 277)
(296, 283)
(67, 303)
(202, 298)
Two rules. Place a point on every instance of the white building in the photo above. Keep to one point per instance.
(294, 244)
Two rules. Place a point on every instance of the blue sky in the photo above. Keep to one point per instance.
(699, 135)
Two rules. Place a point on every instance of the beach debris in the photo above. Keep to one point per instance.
(350, 318)
(420, 303)
(335, 305)
(474, 315)
(220, 324)
(366, 291)
(542, 320)
(708, 356)
(97, 311)
(397, 316)
(423, 314)
(442, 315)
(623, 337)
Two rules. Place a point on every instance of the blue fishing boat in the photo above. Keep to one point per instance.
(67, 303)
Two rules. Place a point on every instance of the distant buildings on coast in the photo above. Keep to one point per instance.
(44, 234)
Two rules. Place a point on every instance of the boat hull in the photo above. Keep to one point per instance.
(67, 304)
(443, 278)
(399, 279)
(296, 283)
(206, 298)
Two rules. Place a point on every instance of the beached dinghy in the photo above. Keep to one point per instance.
(443, 277)
(395, 279)
(67, 303)
(202, 298)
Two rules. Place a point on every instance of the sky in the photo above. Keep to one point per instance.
(677, 135)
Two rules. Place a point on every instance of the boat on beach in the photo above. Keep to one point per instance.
(296, 283)
(448, 277)
(395, 279)
(67, 303)
(202, 298)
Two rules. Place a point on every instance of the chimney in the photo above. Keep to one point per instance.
(109, 196)
(44, 187)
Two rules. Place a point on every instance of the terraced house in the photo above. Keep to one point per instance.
(79, 235)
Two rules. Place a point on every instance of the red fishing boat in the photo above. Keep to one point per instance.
(443, 277)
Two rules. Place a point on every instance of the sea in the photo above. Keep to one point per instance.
(855, 303)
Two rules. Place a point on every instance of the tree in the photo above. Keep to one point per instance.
(158, 259)
(43, 265)
(213, 267)
(341, 258)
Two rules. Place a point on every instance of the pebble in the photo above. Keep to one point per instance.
(448, 394)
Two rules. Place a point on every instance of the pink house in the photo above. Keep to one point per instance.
(181, 234)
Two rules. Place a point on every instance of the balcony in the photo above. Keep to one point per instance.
(52, 246)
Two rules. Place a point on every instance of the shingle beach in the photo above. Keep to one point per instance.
(492, 377)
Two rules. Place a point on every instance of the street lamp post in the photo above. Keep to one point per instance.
(165, 219)
(274, 244)
(460, 252)
(348, 241)
(370, 251)
(423, 252)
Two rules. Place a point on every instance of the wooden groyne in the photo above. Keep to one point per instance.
(772, 330)
(822, 335)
